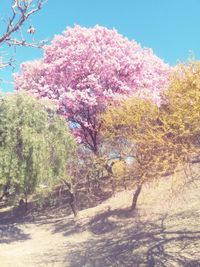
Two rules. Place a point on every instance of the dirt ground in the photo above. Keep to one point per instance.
(163, 231)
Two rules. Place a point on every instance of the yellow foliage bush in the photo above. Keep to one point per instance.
(163, 137)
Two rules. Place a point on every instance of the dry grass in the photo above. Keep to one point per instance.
(163, 231)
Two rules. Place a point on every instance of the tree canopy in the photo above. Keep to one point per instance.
(35, 144)
(83, 70)
(164, 137)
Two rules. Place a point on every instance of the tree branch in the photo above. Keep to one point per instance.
(20, 14)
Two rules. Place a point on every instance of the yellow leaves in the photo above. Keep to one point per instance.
(163, 137)
(131, 115)
(119, 168)
(183, 98)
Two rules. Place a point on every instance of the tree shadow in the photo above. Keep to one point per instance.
(13, 215)
(45, 215)
(67, 228)
(10, 233)
(107, 221)
(138, 241)
(48, 211)
(99, 224)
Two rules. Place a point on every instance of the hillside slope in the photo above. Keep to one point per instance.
(163, 231)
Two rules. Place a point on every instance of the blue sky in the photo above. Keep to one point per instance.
(170, 27)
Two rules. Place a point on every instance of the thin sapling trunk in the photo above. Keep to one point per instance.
(135, 197)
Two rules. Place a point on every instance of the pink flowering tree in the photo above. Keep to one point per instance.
(83, 70)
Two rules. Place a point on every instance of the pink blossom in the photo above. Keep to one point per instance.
(86, 69)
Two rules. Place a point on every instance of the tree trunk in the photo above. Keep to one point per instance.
(88, 184)
(124, 182)
(135, 197)
(113, 186)
(26, 201)
(5, 191)
(72, 201)
(73, 207)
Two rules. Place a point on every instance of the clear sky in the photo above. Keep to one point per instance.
(170, 27)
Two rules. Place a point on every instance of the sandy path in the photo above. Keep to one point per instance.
(31, 252)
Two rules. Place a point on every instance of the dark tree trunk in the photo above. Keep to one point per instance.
(72, 201)
(72, 204)
(73, 207)
(26, 201)
(113, 186)
(88, 184)
(135, 197)
(5, 191)
(124, 182)
(110, 174)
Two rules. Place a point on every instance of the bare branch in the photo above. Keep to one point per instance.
(16, 42)
(12, 29)
(21, 11)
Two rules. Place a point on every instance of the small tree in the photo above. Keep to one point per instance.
(163, 137)
(36, 146)
(133, 120)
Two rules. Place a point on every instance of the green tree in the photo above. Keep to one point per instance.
(35, 145)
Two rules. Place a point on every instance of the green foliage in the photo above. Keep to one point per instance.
(35, 145)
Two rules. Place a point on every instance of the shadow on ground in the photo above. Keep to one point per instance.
(17, 215)
(9, 229)
(11, 233)
(119, 238)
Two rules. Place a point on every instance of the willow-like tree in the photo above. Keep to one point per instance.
(35, 144)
